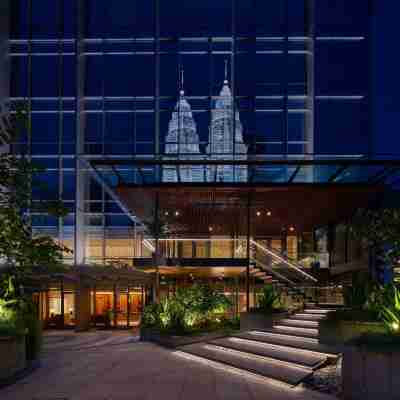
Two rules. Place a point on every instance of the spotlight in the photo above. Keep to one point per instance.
(177, 213)
(258, 213)
(291, 229)
(269, 213)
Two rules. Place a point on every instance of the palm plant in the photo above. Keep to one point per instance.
(391, 311)
(269, 299)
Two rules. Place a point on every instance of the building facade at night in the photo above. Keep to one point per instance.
(228, 176)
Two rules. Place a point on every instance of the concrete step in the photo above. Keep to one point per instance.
(295, 330)
(308, 317)
(317, 311)
(299, 323)
(288, 341)
(305, 358)
(263, 366)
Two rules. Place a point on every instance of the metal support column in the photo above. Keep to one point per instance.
(115, 306)
(157, 250)
(62, 304)
(128, 307)
(94, 305)
(248, 255)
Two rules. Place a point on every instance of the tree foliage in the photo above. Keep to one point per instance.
(20, 251)
(380, 229)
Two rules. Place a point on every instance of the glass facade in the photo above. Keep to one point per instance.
(104, 78)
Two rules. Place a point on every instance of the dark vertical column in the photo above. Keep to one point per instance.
(285, 75)
(115, 320)
(94, 304)
(310, 117)
(157, 87)
(248, 253)
(62, 304)
(79, 235)
(128, 307)
(157, 250)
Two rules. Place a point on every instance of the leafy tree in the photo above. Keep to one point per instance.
(21, 253)
(380, 230)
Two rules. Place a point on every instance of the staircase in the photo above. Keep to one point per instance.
(288, 353)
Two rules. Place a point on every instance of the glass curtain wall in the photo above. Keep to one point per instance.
(104, 78)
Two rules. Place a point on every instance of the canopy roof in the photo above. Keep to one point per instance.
(299, 193)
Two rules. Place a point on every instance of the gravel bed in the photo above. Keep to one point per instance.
(327, 379)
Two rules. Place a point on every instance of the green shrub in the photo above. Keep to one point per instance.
(189, 309)
(391, 310)
(357, 295)
(270, 300)
(11, 322)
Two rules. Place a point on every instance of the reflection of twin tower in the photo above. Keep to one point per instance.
(225, 142)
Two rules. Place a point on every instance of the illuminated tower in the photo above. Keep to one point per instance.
(182, 143)
(226, 138)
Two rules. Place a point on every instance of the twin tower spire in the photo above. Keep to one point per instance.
(225, 140)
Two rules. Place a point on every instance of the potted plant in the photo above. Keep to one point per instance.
(269, 310)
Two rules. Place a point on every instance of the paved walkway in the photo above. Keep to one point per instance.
(115, 366)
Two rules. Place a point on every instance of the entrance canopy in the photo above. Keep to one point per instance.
(296, 194)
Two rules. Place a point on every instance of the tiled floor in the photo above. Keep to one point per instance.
(114, 366)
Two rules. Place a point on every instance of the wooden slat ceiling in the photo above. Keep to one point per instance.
(190, 210)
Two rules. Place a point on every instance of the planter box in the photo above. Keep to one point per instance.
(370, 375)
(173, 341)
(13, 356)
(259, 321)
(337, 333)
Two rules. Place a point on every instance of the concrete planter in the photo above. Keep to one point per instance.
(370, 375)
(337, 333)
(13, 356)
(173, 341)
(259, 321)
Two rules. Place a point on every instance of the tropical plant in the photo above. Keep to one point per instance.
(269, 299)
(391, 310)
(356, 296)
(380, 231)
(190, 308)
(21, 252)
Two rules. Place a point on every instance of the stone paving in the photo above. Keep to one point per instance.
(115, 366)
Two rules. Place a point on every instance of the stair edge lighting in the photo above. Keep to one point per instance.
(237, 371)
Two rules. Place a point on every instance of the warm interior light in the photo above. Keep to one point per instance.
(210, 228)
(166, 213)
(258, 213)
(176, 213)
(269, 213)
(291, 229)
